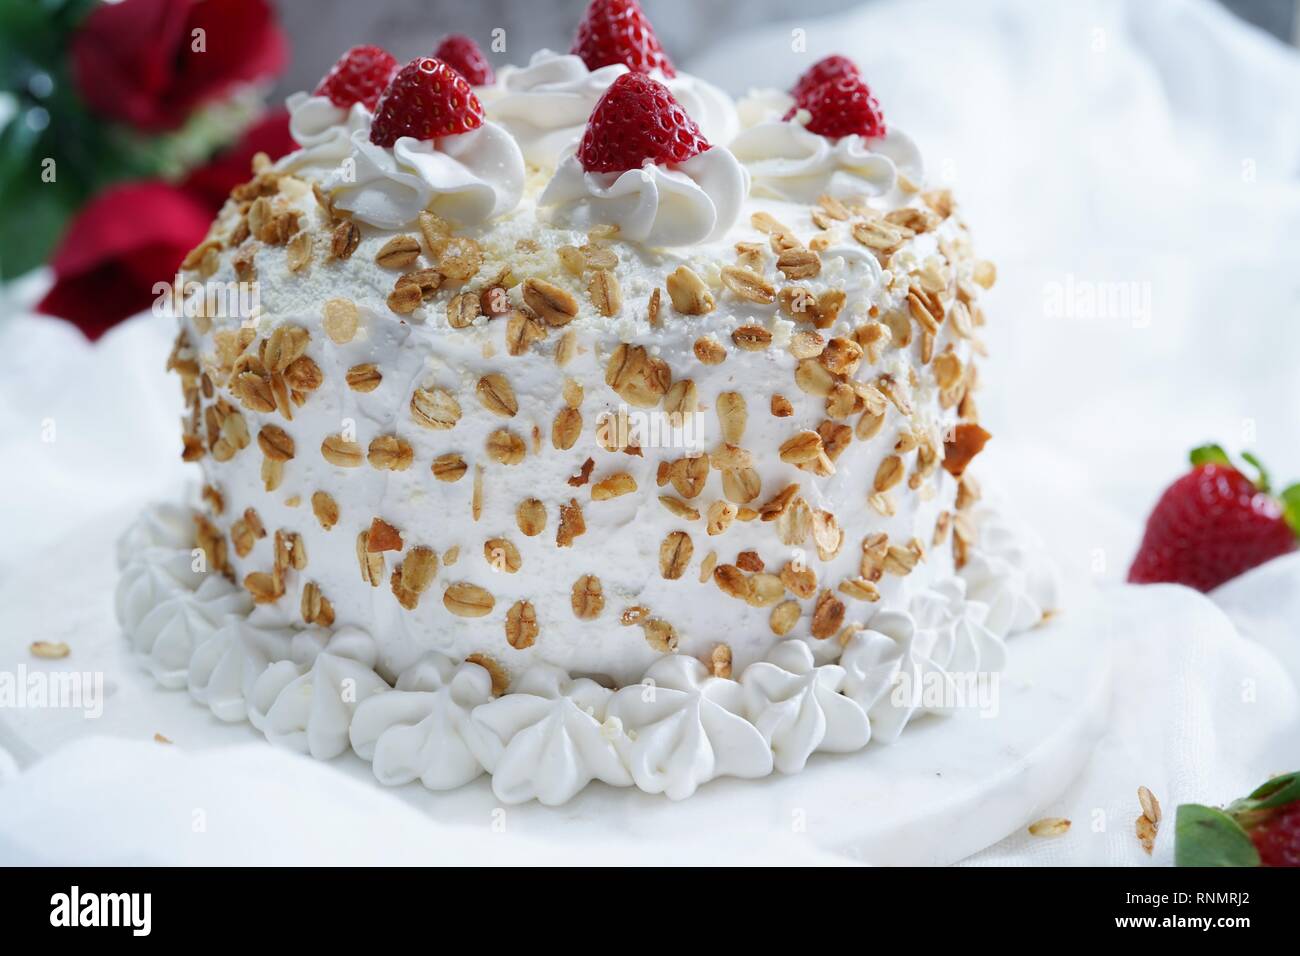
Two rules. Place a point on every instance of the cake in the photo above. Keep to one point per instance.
(579, 423)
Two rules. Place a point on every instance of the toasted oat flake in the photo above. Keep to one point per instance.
(468, 600)
(449, 467)
(502, 555)
(784, 617)
(1049, 827)
(338, 451)
(679, 508)
(606, 295)
(398, 252)
(688, 292)
(325, 508)
(340, 320)
(505, 447)
(390, 453)
(344, 239)
(748, 285)
(435, 408)
(752, 338)
(588, 598)
(710, 351)
(497, 395)
(554, 305)
(615, 486)
(521, 625)
(675, 554)
(49, 650)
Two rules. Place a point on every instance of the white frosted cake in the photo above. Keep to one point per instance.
(580, 425)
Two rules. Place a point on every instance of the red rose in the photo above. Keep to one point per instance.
(137, 61)
(212, 183)
(122, 242)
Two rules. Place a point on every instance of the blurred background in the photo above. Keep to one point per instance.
(1132, 166)
(685, 27)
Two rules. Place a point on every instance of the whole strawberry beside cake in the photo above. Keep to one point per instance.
(577, 433)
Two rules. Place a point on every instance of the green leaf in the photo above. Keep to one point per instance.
(1204, 836)
(1261, 478)
(1290, 499)
(1210, 454)
(1278, 792)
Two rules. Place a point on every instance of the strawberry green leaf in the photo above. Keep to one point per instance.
(1210, 455)
(1204, 836)
(1290, 499)
(1278, 792)
(1261, 473)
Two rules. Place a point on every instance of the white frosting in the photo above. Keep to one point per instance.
(788, 162)
(958, 640)
(547, 739)
(1008, 571)
(159, 525)
(684, 204)
(323, 132)
(876, 661)
(422, 730)
(468, 178)
(682, 727)
(547, 103)
(150, 578)
(224, 668)
(310, 708)
(167, 636)
(798, 708)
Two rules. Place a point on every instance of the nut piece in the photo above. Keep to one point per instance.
(531, 517)
(49, 650)
(689, 294)
(555, 306)
(967, 441)
(572, 524)
(614, 486)
(325, 508)
(468, 600)
(338, 451)
(340, 320)
(497, 396)
(449, 467)
(521, 625)
(435, 408)
(675, 554)
(588, 598)
(398, 252)
(720, 515)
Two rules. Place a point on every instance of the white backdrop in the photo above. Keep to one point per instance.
(1148, 148)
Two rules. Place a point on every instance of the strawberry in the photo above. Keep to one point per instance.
(1261, 830)
(426, 99)
(635, 121)
(463, 55)
(842, 107)
(360, 76)
(1214, 523)
(823, 71)
(616, 31)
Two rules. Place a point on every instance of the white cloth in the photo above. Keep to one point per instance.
(1153, 142)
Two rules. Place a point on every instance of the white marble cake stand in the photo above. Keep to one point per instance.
(949, 788)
